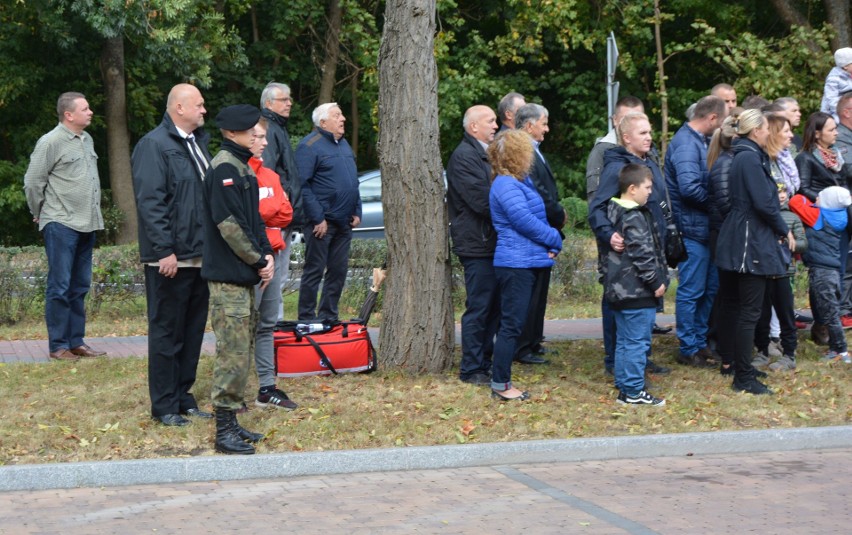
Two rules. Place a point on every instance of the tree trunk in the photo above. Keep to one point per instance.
(332, 52)
(661, 75)
(790, 14)
(837, 13)
(118, 136)
(417, 324)
(354, 117)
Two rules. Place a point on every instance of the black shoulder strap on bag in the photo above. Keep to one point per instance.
(320, 352)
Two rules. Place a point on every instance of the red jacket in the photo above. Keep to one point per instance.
(275, 209)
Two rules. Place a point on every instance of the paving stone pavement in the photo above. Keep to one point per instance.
(801, 492)
(125, 346)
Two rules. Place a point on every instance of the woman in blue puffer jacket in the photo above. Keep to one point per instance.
(525, 243)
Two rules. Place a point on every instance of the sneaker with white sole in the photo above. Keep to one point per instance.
(833, 356)
(275, 398)
(642, 398)
(760, 359)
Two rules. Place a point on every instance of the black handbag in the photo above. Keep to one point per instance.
(675, 248)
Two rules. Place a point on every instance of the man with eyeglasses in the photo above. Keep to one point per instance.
(275, 106)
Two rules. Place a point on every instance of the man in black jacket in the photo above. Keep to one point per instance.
(532, 118)
(168, 166)
(237, 255)
(474, 240)
(275, 105)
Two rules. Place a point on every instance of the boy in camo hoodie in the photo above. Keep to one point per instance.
(636, 279)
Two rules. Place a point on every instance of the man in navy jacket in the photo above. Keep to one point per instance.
(686, 179)
(332, 208)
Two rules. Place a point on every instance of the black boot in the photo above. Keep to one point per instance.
(245, 434)
(227, 438)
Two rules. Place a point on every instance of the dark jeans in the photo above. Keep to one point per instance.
(69, 276)
(728, 308)
(533, 334)
(327, 256)
(752, 290)
(825, 301)
(609, 334)
(177, 314)
(481, 316)
(780, 297)
(516, 286)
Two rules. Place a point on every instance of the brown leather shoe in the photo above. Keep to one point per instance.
(63, 354)
(87, 352)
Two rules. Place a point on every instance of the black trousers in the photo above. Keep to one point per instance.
(727, 305)
(752, 290)
(177, 314)
(779, 296)
(533, 332)
(325, 258)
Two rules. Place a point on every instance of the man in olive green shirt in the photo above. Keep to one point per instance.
(64, 195)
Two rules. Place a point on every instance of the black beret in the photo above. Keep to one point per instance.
(238, 117)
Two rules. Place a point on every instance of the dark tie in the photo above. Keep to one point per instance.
(200, 160)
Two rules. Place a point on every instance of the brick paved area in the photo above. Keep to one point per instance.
(801, 492)
(36, 350)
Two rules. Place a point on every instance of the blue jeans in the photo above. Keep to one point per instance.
(516, 286)
(633, 342)
(69, 275)
(698, 282)
(481, 316)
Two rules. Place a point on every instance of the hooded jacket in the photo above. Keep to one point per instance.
(633, 275)
(275, 209)
(614, 160)
(824, 229)
(749, 237)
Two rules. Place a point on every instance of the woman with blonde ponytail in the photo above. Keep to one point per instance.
(751, 245)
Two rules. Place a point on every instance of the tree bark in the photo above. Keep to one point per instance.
(118, 136)
(332, 52)
(354, 117)
(790, 14)
(837, 13)
(417, 332)
(661, 74)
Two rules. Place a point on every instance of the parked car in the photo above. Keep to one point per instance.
(372, 225)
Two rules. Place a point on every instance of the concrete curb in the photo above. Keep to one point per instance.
(280, 465)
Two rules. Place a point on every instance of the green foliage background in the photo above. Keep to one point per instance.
(551, 51)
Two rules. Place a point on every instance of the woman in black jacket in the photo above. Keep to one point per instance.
(720, 156)
(819, 163)
(820, 166)
(750, 242)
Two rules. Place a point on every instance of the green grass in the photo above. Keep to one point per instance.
(98, 409)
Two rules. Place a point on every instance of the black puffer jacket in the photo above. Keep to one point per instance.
(719, 185)
(748, 239)
(815, 176)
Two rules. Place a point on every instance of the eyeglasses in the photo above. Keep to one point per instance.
(283, 99)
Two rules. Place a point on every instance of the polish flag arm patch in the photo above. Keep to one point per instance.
(228, 182)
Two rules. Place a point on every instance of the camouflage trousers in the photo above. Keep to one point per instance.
(234, 321)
